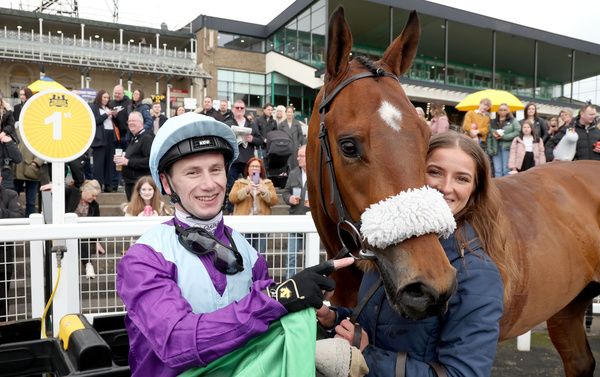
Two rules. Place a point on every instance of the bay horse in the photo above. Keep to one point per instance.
(366, 145)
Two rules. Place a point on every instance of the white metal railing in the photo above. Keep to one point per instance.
(119, 233)
(22, 45)
(98, 296)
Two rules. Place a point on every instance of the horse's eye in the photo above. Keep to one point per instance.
(349, 147)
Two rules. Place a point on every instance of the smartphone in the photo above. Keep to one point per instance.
(148, 211)
(255, 177)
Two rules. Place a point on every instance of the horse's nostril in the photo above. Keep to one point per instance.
(419, 297)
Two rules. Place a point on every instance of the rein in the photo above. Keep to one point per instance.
(345, 223)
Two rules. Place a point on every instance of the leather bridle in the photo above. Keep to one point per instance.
(345, 224)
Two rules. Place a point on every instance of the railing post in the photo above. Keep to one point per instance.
(312, 251)
(66, 299)
(36, 266)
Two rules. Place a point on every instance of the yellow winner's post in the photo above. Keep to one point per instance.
(57, 125)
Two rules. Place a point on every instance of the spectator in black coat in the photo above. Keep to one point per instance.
(586, 127)
(9, 155)
(24, 95)
(158, 117)
(135, 162)
(208, 110)
(226, 114)
(265, 124)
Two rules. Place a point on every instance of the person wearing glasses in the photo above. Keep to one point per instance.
(194, 288)
(249, 139)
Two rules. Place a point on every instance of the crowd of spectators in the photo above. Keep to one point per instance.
(512, 149)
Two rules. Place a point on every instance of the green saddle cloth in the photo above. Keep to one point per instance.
(286, 349)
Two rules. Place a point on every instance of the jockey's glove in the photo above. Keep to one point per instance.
(305, 289)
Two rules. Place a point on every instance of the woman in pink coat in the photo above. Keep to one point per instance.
(526, 150)
(439, 120)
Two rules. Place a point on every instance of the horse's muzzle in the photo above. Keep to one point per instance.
(418, 301)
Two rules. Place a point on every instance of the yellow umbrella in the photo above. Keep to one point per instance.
(45, 83)
(498, 97)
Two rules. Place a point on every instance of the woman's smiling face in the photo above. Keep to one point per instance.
(452, 172)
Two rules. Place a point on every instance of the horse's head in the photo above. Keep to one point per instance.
(364, 123)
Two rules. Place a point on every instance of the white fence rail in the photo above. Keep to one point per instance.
(77, 294)
(24, 244)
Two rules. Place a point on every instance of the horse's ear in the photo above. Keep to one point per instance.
(339, 44)
(400, 54)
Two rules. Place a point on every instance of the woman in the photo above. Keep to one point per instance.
(180, 110)
(503, 129)
(7, 121)
(565, 117)
(439, 120)
(462, 342)
(540, 127)
(477, 122)
(24, 95)
(146, 200)
(553, 128)
(103, 145)
(279, 114)
(293, 128)
(526, 150)
(141, 105)
(254, 195)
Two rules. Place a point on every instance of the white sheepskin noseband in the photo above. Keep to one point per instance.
(410, 213)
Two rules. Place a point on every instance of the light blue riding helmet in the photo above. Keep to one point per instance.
(187, 134)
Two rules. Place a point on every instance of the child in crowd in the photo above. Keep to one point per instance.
(146, 200)
(526, 150)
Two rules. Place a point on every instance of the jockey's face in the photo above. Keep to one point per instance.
(452, 172)
(200, 181)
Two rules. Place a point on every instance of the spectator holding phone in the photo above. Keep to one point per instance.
(254, 195)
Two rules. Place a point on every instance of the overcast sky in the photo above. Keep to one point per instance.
(573, 18)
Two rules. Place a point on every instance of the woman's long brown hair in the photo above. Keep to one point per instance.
(137, 204)
(484, 209)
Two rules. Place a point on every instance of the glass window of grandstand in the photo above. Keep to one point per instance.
(586, 66)
(318, 19)
(234, 85)
(429, 61)
(469, 56)
(370, 25)
(289, 92)
(240, 42)
(303, 38)
(554, 70)
(515, 64)
(291, 39)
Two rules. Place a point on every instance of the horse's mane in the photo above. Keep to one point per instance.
(369, 64)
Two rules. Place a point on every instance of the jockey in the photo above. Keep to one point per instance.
(193, 287)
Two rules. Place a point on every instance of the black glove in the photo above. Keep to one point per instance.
(305, 289)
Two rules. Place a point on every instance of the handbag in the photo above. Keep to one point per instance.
(567, 146)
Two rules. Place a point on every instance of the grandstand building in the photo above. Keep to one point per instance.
(282, 62)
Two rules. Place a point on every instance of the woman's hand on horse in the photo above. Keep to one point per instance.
(326, 317)
(345, 330)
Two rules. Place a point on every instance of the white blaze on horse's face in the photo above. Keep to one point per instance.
(391, 115)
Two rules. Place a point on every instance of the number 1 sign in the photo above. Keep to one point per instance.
(57, 126)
